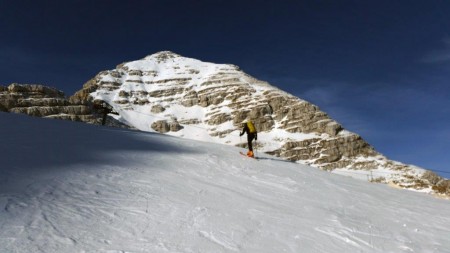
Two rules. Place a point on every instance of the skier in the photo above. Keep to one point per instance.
(104, 109)
(250, 129)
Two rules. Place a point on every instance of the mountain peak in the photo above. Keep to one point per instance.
(162, 56)
(188, 98)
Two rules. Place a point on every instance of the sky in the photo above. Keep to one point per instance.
(379, 68)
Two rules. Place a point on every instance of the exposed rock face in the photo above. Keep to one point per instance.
(439, 184)
(157, 109)
(42, 101)
(163, 126)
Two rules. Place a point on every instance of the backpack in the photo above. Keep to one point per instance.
(251, 127)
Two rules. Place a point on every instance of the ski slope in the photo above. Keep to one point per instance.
(72, 187)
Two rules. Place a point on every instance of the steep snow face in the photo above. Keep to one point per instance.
(71, 187)
(188, 98)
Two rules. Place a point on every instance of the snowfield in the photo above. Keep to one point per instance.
(72, 187)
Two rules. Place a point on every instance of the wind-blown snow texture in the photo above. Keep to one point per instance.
(72, 187)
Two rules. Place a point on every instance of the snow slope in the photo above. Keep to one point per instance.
(72, 187)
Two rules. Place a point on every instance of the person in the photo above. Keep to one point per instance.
(250, 129)
(104, 109)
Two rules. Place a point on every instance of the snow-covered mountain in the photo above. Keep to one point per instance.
(73, 187)
(188, 98)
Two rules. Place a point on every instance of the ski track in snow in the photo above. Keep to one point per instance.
(153, 193)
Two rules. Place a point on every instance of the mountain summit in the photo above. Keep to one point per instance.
(188, 98)
(162, 56)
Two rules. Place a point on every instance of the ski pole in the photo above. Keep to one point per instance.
(240, 139)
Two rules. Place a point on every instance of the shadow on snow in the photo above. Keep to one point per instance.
(36, 144)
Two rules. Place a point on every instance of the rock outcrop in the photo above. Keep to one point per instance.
(163, 126)
(42, 101)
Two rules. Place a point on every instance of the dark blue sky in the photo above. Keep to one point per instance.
(380, 68)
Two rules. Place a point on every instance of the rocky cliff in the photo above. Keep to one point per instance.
(42, 101)
(184, 97)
